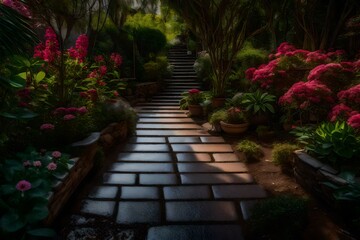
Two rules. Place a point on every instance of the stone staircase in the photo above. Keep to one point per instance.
(173, 177)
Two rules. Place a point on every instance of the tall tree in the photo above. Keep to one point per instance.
(223, 26)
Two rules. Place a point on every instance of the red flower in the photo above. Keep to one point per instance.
(354, 121)
(340, 111)
(351, 96)
(194, 91)
(99, 58)
(117, 59)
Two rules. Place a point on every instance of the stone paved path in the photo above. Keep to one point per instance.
(173, 175)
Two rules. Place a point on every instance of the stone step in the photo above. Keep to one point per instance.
(177, 110)
(172, 97)
(172, 133)
(165, 120)
(167, 126)
(140, 107)
(160, 104)
(162, 115)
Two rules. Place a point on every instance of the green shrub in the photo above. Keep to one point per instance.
(251, 149)
(282, 153)
(149, 41)
(333, 143)
(151, 71)
(250, 57)
(218, 116)
(280, 218)
(203, 67)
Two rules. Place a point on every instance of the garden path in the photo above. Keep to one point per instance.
(173, 176)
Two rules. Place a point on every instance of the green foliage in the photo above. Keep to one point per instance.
(252, 150)
(16, 33)
(282, 218)
(155, 70)
(258, 102)
(282, 153)
(218, 116)
(191, 98)
(23, 211)
(105, 114)
(333, 143)
(149, 41)
(203, 67)
(250, 57)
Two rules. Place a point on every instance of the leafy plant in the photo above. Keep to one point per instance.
(251, 149)
(25, 186)
(287, 211)
(218, 116)
(334, 143)
(235, 116)
(258, 102)
(283, 155)
(191, 97)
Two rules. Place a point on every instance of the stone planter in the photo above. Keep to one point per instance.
(311, 174)
(67, 184)
(196, 110)
(234, 128)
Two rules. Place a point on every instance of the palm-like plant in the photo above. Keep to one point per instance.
(258, 102)
(15, 32)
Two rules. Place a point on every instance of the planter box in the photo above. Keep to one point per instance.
(311, 174)
(69, 182)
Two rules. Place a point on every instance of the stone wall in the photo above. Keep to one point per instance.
(311, 174)
(69, 182)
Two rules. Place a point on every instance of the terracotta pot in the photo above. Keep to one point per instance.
(218, 102)
(234, 128)
(196, 110)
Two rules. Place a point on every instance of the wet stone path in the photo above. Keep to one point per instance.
(173, 176)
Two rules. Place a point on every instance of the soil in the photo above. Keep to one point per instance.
(322, 222)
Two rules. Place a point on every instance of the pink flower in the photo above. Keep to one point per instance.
(47, 126)
(117, 59)
(351, 96)
(59, 111)
(354, 121)
(249, 73)
(194, 91)
(116, 94)
(99, 58)
(17, 6)
(56, 154)
(93, 74)
(340, 111)
(284, 48)
(102, 70)
(80, 50)
(23, 185)
(26, 163)
(68, 117)
(82, 110)
(37, 164)
(51, 166)
(50, 50)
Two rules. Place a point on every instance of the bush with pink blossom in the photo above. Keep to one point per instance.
(26, 182)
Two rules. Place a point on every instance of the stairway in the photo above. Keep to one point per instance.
(173, 178)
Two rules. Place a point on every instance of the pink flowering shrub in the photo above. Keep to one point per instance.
(354, 121)
(351, 97)
(336, 76)
(340, 112)
(307, 95)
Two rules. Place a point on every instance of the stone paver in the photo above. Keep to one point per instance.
(103, 208)
(187, 192)
(201, 148)
(145, 157)
(199, 232)
(239, 191)
(138, 212)
(171, 133)
(139, 192)
(158, 179)
(119, 178)
(193, 157)
(200, 211)
(104, 192)
(216, 178)
(141, 167)
(173, 173)
(212, 167)
(184, 140)
(146, 148)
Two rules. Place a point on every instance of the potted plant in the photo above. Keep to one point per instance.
(192, 100)
(259, 105)
(235, 121)
(216, 117)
